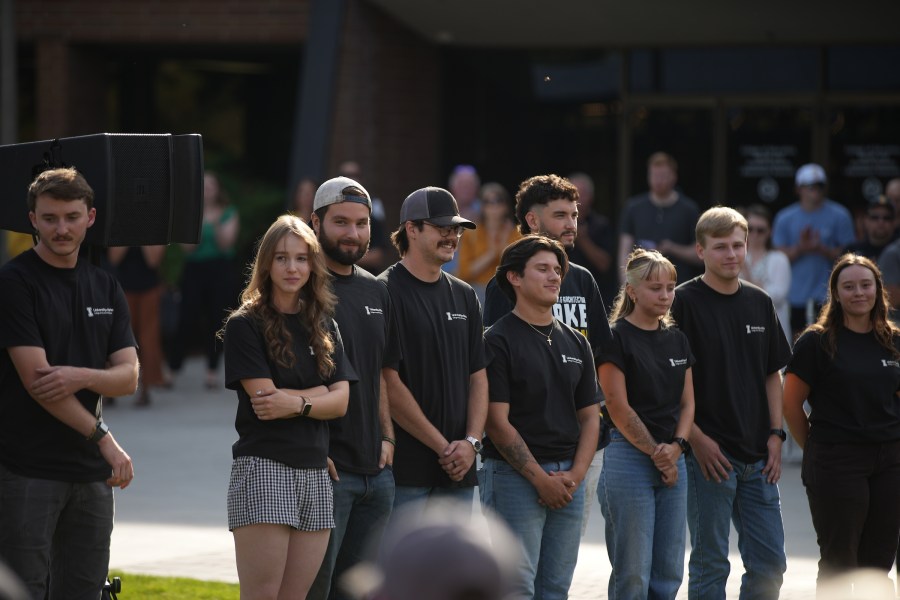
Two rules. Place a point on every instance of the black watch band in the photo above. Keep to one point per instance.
(683, 444)
(779, 432)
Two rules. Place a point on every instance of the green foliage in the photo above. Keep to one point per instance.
(174, 588)
(258, 203)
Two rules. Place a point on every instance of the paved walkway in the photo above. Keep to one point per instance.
(172, 519)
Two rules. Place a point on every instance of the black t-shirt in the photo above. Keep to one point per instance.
(853, 396)
(79, 317)
(370, 342)
(654, 364)
(738, 342)
(649, 224)
(300, 443)
(603, 234)
(545, 385)
(441, 345)
(580, 305)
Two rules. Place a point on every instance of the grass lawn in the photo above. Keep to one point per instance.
(173, 588)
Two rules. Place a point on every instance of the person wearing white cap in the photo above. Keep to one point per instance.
(812, 232)
(438, 388)
(361, 444)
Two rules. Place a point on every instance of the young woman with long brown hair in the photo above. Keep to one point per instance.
(847, 365)
(284, 357)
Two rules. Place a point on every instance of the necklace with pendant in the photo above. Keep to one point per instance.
(546, 335)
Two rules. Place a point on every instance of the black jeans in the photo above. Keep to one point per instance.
(56, 531)
(854, 498)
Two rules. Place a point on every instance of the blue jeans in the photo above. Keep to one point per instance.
(362, 505)
(58, 531)
(550, 538)
(754, 506)
(406, 494)
(645, 523)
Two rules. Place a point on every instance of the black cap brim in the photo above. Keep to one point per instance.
(452, 220)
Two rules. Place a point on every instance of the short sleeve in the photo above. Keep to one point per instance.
(343, 370)
(780, 234)
(803, 363)
(498, 374)
(392, 354)
(587, 392)
(612, 352)
(598, 325)
(477, 360)
(245, 356)
(18, 327)
(121, 336)
(626, 222)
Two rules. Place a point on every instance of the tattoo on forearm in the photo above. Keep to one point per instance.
(638, 431)
(518, 455)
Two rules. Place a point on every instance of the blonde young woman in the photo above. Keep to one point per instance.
(646, 375)
(284, 357)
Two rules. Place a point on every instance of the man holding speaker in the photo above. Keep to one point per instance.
(67, 338)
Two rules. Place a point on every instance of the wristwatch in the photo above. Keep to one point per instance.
(100, 430)
(307, 406)
(779, 432)
(476, 443)
(683, 444)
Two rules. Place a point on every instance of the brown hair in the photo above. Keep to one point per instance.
(517, 254)
(61, 184)
(317, 301)
(831, 317)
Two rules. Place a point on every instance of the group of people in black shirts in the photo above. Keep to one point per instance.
(358, 394)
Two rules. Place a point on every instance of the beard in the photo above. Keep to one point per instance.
(332, 249)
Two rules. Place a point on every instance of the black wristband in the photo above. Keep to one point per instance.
(779, 432)
(683, 444)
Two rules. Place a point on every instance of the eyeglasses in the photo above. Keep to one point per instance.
(446, 230)
(752, 229)
(884, 218)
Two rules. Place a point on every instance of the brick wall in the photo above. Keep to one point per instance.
(164, 21)
(387, 106)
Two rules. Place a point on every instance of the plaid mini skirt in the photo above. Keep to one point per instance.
(267, 491)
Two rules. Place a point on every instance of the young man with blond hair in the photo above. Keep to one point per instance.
(735, 465)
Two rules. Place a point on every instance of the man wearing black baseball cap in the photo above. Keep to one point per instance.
(438, 389)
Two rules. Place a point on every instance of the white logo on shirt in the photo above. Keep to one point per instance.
(571, 359)
(373, 311)
(456, 317)
(97, 312)
(755, 329)
(677, 362)
(889, 363)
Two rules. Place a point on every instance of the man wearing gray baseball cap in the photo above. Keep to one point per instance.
(438, 388)
(361, 445)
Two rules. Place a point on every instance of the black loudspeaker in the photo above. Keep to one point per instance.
(148, 188)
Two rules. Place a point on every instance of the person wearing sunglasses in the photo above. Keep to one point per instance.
(766, 267)
(812, 232)
(437, 389)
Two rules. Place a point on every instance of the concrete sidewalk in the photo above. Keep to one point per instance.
(172, 519)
